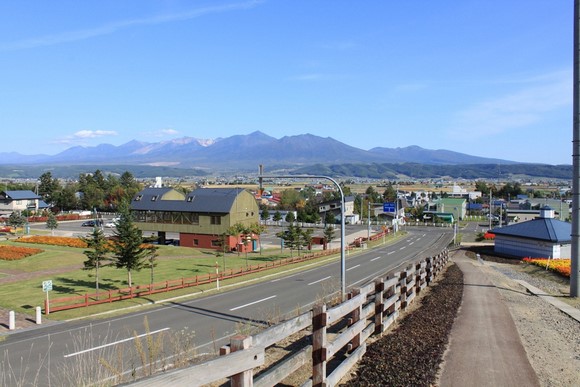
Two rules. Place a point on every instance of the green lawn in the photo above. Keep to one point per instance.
(172, 263)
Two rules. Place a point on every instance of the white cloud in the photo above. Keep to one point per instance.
(82, 134)
(162, 133)
(107, 29)
(518, 109)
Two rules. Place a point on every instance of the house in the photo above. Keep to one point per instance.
(21, 200)
(542, 237)
(334, 207)
(200, 218)
(454, 206)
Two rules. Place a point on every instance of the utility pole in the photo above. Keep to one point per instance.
(369, 222)
(575, 249)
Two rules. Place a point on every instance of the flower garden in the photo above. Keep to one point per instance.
(14, 253)
(560, 266)
(54, 240)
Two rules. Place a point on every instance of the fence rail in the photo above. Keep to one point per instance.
(338, 333)
(113, 295)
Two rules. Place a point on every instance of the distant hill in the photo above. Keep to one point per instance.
(245, 152)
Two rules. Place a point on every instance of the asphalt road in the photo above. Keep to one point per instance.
(51, 351)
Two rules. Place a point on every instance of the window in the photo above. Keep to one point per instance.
(189, 198)
(215, 220)
(196, 242)
(153, 198)
(215, 243)
(138, 197)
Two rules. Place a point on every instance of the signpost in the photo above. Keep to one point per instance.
(47, 287)
(389, 207)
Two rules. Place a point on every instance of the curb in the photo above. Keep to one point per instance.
(565, 308)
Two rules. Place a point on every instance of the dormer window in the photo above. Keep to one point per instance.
(189, 199)
(138, 197)
(153, 198)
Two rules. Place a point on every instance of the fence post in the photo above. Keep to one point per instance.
(86, 299)
(354, 318)
(243, 379)
(38, 315)
(319, 346)
(11, 320)
(403, 283)
(379, 305)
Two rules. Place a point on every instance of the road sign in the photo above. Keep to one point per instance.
(388, 207)
(47, 286)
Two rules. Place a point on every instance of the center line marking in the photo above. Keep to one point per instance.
(252, 303)
(320, 280)
(374, 259)
(354, 267)
(390, 252)
(114, 343)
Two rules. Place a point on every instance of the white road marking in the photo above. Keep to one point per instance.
(354, 267)
(390, 252)
(320, 280)
(403, 248)
(282, 278)
(114, 343)
(252, 303)
(374, 259)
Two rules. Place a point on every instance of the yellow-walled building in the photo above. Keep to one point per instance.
(200, 217)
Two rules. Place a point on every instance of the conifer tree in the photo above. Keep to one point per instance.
(129, 253)
(97, 253)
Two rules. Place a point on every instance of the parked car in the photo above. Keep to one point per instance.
(111, 224)
(88, 223)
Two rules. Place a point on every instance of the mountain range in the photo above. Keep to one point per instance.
(244, 152)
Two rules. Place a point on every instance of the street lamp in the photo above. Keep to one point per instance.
(342, 222)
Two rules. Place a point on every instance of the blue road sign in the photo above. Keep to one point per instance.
(388, 207)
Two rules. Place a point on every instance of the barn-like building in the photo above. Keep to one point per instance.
(200, 218)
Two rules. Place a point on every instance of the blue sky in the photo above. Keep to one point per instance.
(490, 78)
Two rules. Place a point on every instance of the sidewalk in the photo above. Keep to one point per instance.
(484, 347)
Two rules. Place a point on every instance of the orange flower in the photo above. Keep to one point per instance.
(13, 253)
(54, 240)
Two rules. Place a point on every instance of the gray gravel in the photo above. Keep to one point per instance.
(550, 337)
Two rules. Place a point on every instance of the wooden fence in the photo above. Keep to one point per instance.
(107, 296)
(338, 334)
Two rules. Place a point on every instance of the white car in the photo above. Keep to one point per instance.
(110, 224)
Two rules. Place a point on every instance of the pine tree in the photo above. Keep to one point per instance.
(99, 249)
(51, 222)
(129, 253)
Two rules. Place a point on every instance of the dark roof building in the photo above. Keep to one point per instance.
(200, 217)
(543, 237)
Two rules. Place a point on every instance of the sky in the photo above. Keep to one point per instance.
(490, 78)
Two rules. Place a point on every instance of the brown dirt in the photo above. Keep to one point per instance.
(411, 353)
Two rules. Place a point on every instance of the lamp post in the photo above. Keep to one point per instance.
(342, 222)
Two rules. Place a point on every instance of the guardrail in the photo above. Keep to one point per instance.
(338, 334)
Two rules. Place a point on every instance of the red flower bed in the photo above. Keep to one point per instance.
(489, 236)
(13, 253)
(54, 240)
